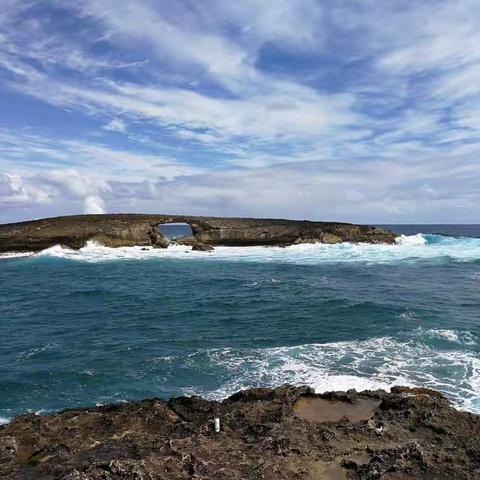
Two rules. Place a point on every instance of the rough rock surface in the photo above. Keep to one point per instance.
(137, 229)
(407, 434)
(202, 247)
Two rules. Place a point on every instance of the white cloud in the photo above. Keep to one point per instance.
(27, 152)
(178, 39)
(63, 191)
(292, 23)
(14, 193)
(370, 191)
(115, 125)
(262, 106)
(11, 189)
(277, 109)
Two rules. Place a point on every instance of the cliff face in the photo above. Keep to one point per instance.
(273, 434)
(137, 229)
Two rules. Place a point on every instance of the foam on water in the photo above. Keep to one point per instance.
(34, 351)
(7, 255)
(411, 240)
(363, 364)
(408, 248)
(462, 338)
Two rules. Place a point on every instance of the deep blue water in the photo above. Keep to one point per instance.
(103, 325)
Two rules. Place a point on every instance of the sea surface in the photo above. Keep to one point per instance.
(108, 325)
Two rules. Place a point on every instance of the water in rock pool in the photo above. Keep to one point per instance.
(107, 325)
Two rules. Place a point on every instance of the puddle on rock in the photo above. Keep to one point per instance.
(320, 410)
(328, 471)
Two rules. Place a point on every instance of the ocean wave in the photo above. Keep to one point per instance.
(452, 336)
(363, 364)
(411, 240)
(407, 248)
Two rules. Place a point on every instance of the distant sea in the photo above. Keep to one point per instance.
(109, 325)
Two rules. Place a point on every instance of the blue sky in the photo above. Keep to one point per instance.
(350, 110)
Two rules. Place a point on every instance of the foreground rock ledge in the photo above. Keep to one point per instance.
(265, 434)
(137, 229)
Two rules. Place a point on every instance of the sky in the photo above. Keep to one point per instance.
(350, 110)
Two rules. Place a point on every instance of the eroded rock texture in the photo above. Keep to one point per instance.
(136, 229)
(405, 434)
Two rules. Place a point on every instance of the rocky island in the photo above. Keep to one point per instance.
(119, 230)
(283, 433)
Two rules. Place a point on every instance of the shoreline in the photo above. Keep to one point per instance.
(282, 433)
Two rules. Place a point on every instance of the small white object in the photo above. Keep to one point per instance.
(217, 424)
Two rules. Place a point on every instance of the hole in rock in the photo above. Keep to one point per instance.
(320, 410)
(175, 231)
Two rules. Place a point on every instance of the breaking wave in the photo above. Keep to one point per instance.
(363, 364)
(407, 248)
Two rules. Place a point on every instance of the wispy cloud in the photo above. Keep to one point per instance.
(115, 125)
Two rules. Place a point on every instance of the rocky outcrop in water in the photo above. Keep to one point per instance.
(138, 229)
(202, 247)
(284, 433)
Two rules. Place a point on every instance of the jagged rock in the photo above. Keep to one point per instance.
(328, 238)
(264, 434)
(121, 230)
(202, 247)
(157, 239)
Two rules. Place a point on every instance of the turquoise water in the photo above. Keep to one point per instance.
(106, 325)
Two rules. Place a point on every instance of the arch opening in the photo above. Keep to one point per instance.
(176, 231)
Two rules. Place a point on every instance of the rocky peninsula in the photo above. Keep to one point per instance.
(283, 433)
(119, 230)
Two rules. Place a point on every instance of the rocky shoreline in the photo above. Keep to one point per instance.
(283, 433)
(120, 230)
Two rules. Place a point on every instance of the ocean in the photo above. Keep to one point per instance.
(103, 325)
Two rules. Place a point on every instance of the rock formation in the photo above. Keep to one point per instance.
(202, 247)
(138, 229)
(273, 434)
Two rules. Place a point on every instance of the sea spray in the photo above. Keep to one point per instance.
(408, 248)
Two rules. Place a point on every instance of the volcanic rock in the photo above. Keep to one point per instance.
(202, 247)
(122, 230)
(272, 434)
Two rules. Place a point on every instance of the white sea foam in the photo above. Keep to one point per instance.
(368, 364)
(462, 338)
(34, 351)
(7, 255)
(411, 240)
(408, 248)
(4, 420)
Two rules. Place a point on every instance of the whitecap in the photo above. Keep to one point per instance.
(366, 364)
(408, 248)
(407, 316)
(454, 336)
(411, 240)
(4, 420)
(7, 255)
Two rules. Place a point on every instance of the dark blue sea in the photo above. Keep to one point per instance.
(109, 325)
